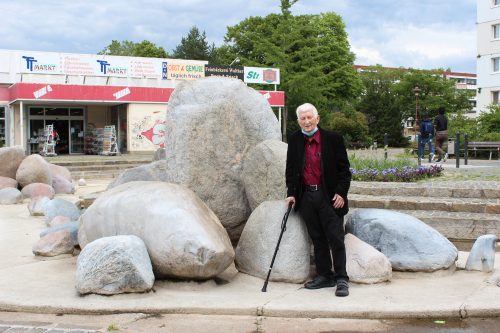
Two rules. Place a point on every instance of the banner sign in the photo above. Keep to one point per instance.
(236, 72)
(28, 62)
(262, 75)
(85, 93)
(185, 71)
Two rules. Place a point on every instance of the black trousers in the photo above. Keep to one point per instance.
(326, 230)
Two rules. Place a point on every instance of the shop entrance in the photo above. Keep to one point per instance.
(68, 124)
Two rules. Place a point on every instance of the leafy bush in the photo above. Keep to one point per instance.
(399, 170)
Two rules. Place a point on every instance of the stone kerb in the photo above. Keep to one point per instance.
(184, 237)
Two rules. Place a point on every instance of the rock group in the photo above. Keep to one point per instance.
(213, 197)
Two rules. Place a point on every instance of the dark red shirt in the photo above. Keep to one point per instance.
(312, 167)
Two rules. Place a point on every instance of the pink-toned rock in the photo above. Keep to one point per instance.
(7, 182)
(62, 185)
(59, 220)
(57, 170)
(54, 244)
(364, 263)
(36, 190)
(33, 169)
(11, 158)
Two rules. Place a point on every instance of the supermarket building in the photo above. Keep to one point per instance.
(77, 93)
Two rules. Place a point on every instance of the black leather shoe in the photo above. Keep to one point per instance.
(342, 288)
(319, 282)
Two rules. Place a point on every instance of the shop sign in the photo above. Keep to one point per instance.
(185, 71)
(262, 75)
(236, 72)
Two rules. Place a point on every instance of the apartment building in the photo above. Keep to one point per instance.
(488, 53)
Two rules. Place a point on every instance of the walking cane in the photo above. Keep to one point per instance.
(283, 227)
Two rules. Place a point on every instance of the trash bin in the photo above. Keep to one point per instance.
(451, 147)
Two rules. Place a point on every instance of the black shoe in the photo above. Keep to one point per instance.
(320, 282)
(342, 288)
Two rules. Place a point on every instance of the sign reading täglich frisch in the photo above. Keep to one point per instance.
(262, 75)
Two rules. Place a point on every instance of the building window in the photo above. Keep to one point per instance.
(496, 31)
(471, 81)
(495, 97)
(496, 64)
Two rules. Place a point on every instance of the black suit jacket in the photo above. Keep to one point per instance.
(335, 173)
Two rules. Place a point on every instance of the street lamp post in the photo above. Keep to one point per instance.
(416, 91)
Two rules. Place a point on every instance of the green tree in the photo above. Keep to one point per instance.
(312, 52)
(353, 125)
(131, 49)
(195, 46)
(489, 124)
(435, 91)
(379, 104)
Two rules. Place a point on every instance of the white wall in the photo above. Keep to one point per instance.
(487, 48)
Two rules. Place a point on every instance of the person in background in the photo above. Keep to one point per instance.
(426, 134)
(441, 126)
(318, 179)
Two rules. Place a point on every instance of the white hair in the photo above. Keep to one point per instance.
(305, 108)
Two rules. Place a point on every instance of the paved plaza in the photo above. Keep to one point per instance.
(37, 292)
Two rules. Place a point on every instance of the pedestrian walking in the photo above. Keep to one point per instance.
(441, 126)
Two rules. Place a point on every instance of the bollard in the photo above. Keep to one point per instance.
(466, 148)
(419, 162)
(457, 150)
(386, 143)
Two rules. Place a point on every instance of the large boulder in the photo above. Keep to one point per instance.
(33, 169)
(259, 239)
(11, 158)
(113, 265)
(211, 125)
(264, 172)
(364, 263)
(183, 236)
(408, 243)
(155, 171)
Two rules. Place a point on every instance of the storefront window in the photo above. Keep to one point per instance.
(76, 112)
(56, 111)
(2, 126)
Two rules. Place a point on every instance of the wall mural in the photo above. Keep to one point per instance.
(148, 133)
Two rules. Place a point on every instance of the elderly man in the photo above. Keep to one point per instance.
(317, 180)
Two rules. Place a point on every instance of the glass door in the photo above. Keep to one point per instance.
(76, 135)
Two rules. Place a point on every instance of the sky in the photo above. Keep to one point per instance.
(423, 34)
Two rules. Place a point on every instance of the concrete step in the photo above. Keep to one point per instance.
(440, 189)
(102, 167)
(446, 204)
